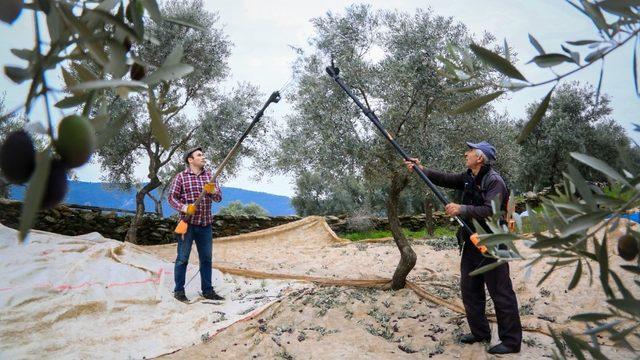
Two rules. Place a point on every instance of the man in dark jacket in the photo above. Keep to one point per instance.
(480, 185)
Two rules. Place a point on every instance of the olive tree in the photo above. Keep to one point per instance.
(574, 122)
(79, 33)
(389, 59)
(206, 50)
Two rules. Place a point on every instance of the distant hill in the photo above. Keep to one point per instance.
(97, 194)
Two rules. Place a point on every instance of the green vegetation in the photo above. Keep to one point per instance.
(236, 208)
(378, 234)
(93, 47)
(617, 191)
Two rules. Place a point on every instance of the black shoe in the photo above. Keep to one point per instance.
(470, 339)
(503, 349)
(212, 296)
(180, 296)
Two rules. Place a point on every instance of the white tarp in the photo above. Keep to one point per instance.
(91, 297)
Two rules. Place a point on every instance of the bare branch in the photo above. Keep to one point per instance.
(177, 146)
(405, 117)
(188, 97)
(364, 96)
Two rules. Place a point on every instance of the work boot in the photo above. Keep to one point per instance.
(180, 296)
(212, 296)
(503, 349)
(470, 339)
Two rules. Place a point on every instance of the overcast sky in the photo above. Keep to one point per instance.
(262, 31)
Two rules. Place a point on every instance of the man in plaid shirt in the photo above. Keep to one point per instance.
(184, 191)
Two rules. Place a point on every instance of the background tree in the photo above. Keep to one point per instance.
(101, 35)
(166, 175)
(609, 142)
(575, 121)
(206, 50)
(389, 59)
(324, 195)
(236, 208)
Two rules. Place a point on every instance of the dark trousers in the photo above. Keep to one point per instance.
(501, 292)
(202, 236)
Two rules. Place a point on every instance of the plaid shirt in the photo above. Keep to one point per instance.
(186, 188)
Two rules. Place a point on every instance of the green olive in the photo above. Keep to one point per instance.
(139, 9)
(76, 140)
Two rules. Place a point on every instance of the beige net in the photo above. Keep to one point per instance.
(88, 296)
(91, 297)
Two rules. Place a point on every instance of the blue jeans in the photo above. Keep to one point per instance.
(202, 236)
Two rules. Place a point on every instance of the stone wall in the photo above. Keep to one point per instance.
(154, 230)
(343, 224)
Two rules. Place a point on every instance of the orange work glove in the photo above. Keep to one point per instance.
(210, 188)
(181, 228)
(189, 209)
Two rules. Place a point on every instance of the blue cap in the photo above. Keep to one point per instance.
(486, 149)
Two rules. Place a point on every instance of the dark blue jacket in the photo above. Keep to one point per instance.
(478, 192)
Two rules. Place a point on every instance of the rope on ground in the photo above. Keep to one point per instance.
(528, 323)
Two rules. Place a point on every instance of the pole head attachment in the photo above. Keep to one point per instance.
(333, 71)
(275, 97)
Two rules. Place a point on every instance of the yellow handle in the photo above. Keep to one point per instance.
(191, 209)
(476, 241)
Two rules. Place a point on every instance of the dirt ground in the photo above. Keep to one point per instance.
(331, 322)
(322, 322)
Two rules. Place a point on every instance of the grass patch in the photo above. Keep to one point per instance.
(444, 231)
(378, 234)
(369, 234)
